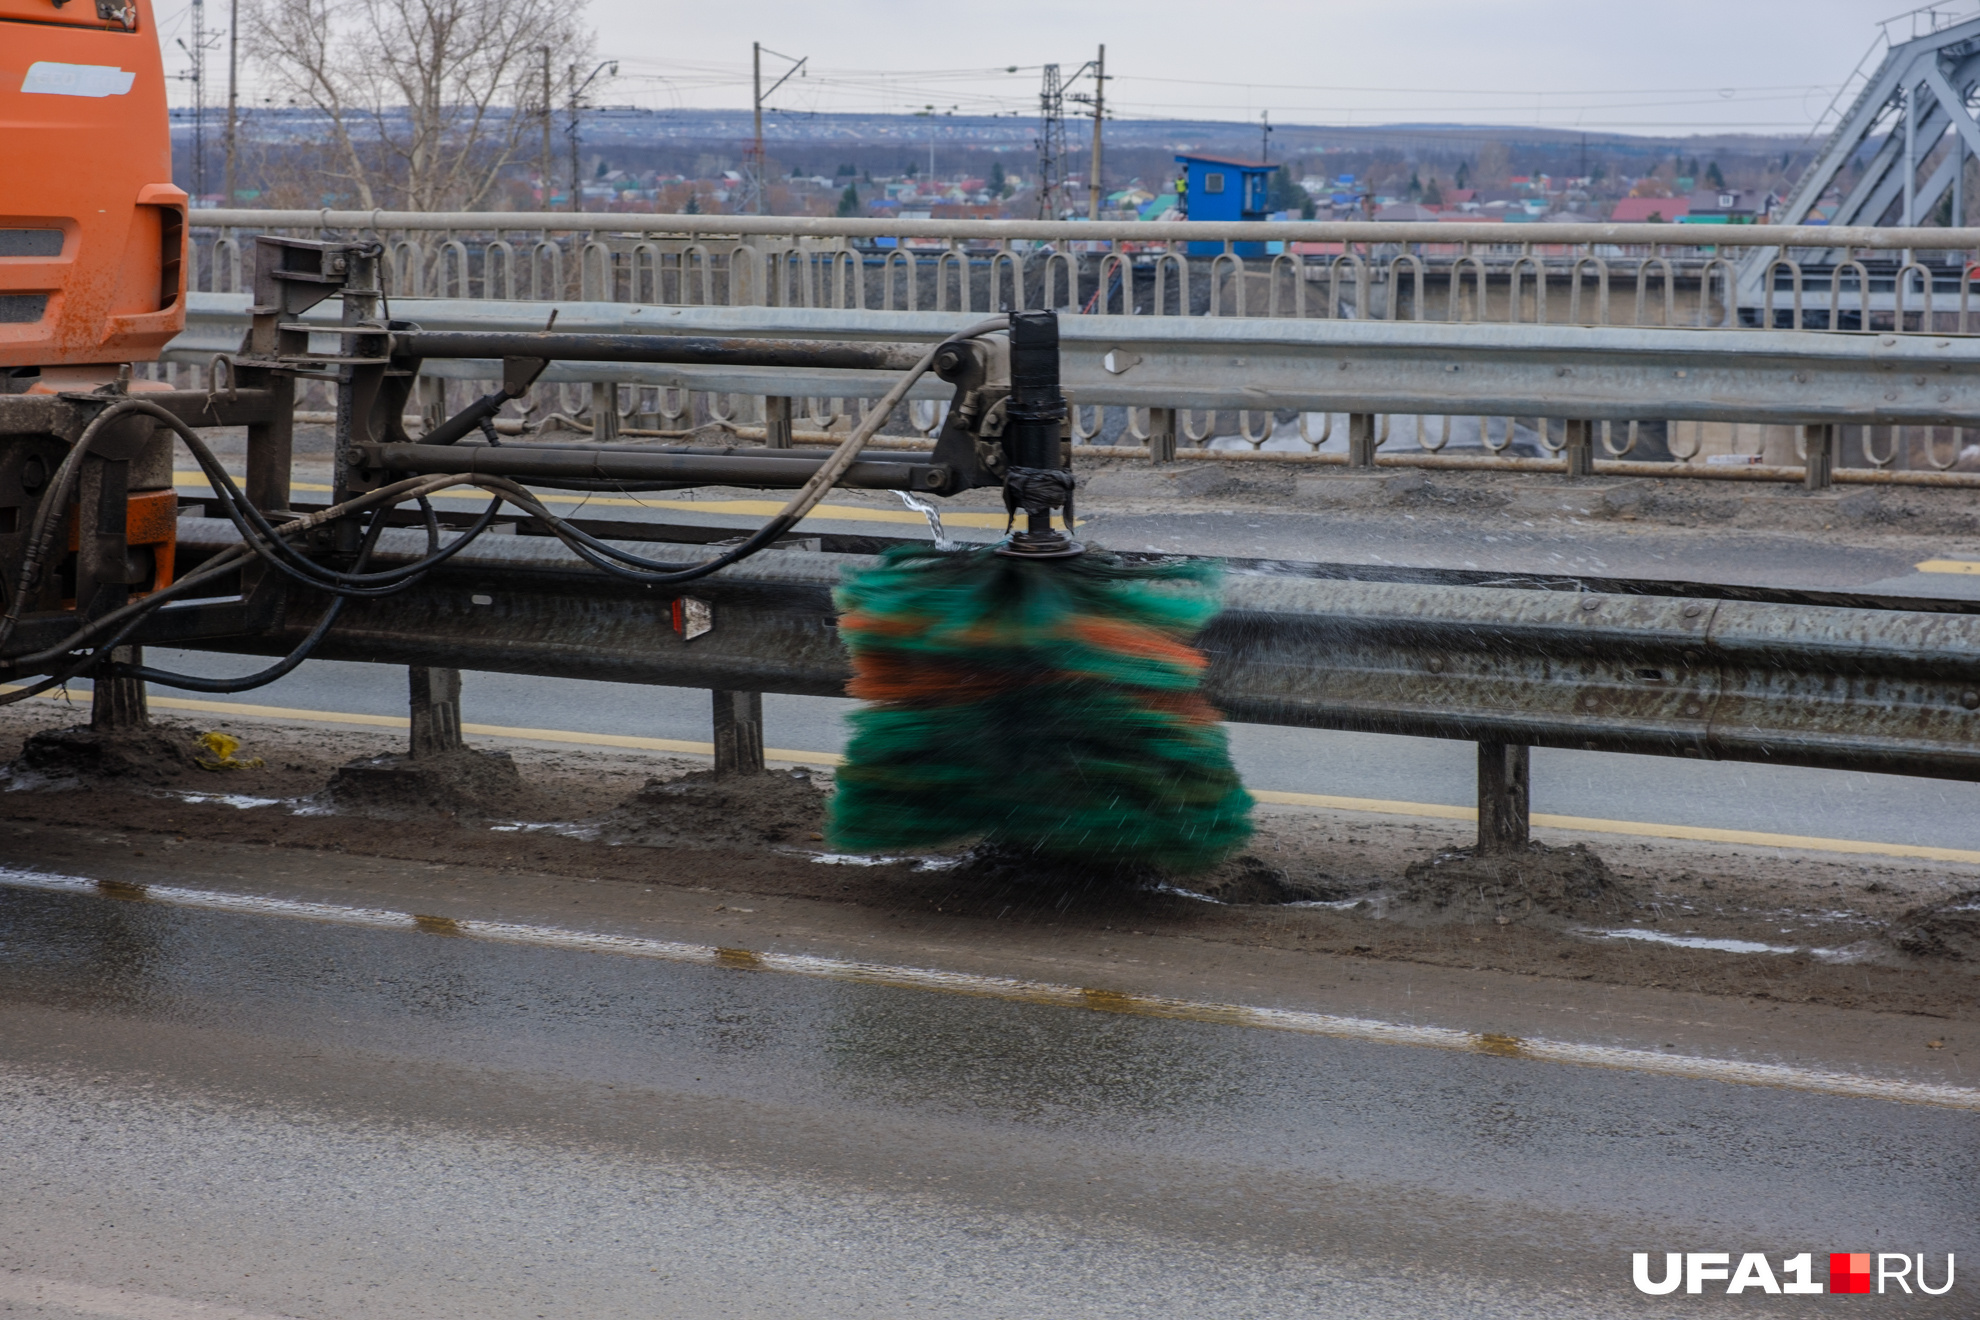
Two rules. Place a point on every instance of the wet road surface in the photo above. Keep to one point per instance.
(290, 1118)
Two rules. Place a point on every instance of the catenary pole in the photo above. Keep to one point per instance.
(1099, 113)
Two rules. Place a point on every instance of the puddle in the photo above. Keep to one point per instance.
(238, 801)
(561, 828)
(1180, 892)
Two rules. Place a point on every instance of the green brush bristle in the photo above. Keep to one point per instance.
(1051, 705)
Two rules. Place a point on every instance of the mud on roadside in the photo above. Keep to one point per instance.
(1799, 928)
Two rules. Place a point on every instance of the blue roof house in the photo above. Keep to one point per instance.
(1225, 188)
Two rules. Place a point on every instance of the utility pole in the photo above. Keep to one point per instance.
(233, 90)
(548, 110)
(755, 168)
(756, 150)
(1264, 137)
(197, 77)
(577, 93)
(199, 97)
(1099, 112)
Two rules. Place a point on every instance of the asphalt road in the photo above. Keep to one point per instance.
(282, 1117)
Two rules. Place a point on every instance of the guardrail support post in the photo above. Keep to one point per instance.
(1503, 800)
(604, 412)
(1821, 445)
(117, 704)
(436, 710)
(738, 732)
(1580, 449)
(1361, 440)
(777, 423)
(1162, 435)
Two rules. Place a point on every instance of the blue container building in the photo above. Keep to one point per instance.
(1225, 188)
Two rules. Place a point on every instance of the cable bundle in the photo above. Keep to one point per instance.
(1047, 705)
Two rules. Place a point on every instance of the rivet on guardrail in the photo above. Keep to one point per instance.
(1693, 610)
(1591, 604)
(1436, 666)
(1970, 699)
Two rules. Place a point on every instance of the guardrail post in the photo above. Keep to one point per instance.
(1580, 449)
(604, 412)
(436, 710)
(1162, 435)
(118, 704)
(1503, 800)
(777, 423)
(1820, 442)
(1361, 440)
(738, 732)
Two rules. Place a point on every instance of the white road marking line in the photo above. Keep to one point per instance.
(114, 1303)
(1037, 992)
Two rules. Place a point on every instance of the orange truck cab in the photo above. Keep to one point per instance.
(92, 231)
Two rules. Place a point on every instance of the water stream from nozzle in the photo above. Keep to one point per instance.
(932, 514)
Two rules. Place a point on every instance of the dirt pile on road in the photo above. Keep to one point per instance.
(1248, 878)
(1948, 929)
(152, 758)
(1539, 884)
(462, 783)
(704, 809)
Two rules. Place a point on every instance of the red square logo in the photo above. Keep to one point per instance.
(1849, 1271)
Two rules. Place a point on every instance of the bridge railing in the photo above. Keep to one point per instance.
(1859, 281)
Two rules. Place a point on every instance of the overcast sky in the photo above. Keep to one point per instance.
(1653, 66)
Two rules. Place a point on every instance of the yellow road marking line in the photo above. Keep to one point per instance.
(1948, 566)
(755, 508)
(1324, 801)
(1016, 990)
(1640, 829)
(783, 755)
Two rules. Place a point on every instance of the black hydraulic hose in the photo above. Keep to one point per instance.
(261, 539)
(48, 516)
(806, 499)
(213, 568)
(193, 683)
(133, 617)
(250, 521)
(135, 611)
(261, 678)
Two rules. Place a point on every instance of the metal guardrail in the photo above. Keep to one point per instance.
(1893, 281)
(1586, 373)
(1893, 691)
(1876, 238)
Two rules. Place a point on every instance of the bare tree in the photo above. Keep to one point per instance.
(427, 102)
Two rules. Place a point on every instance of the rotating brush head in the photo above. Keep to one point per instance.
(1051, 706)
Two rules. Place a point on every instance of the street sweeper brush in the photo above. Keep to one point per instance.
(1032, 694)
